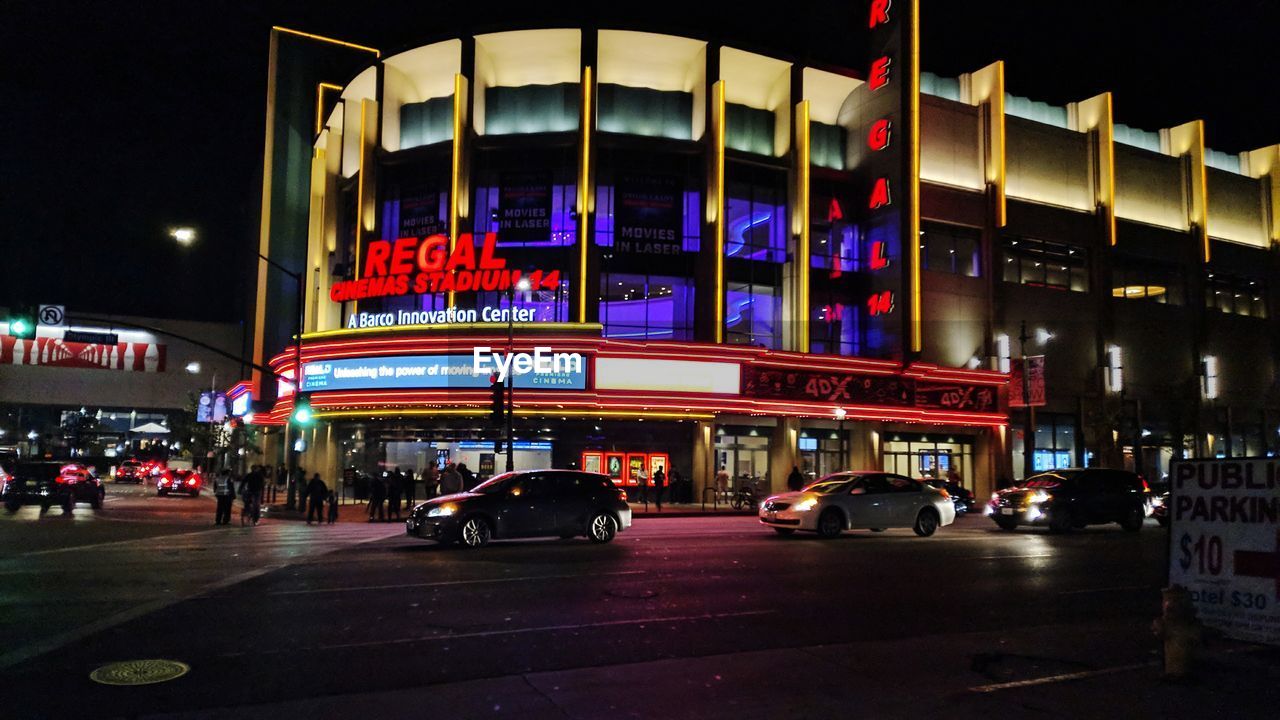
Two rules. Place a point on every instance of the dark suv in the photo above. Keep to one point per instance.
(533, 503)
(1073, 498)
(47, 484)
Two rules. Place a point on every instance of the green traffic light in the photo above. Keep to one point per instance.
(302, 413)
(20, 328)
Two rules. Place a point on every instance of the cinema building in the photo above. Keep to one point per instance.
(760, 263)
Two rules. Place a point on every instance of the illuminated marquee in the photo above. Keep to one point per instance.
(419, 266)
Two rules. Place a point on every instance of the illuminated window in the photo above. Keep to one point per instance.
(1142, 280)
(951, 249)
(646, 306)
(1236, 295)
(1027, 261)
(755, 249)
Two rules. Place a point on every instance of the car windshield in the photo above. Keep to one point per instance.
(35, 471)
(828, 487)
(493, 484)
(1052, 480)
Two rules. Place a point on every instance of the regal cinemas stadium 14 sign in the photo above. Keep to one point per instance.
(419, 266)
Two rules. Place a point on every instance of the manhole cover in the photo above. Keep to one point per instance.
(139, 672)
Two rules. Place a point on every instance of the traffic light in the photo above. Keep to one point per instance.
(302, 410)
(22, 322)
(499, 403)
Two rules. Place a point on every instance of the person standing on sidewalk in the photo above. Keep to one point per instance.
(659, 484)
(224, 489)
(317, 491)
(395, 487)
(795, 480)
(333, 507)
(410, 490)
(450, 480)
(430, 481)
(377, 498)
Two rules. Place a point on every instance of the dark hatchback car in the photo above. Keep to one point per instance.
(1073, 498)
(47, 484)
(534, 503)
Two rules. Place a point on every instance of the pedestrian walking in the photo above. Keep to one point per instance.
(224, 490)
(410, 490)
(333, 507)
(642, 480)
(659, 484)
(450, 480)
(431, 481)
(795, 480)
(722, 483)
(251, 492)
(317, 492)
(377, 498)
(395, 488)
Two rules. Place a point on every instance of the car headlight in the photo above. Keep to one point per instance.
(1041, 496)
(805, 505)
(442, 510)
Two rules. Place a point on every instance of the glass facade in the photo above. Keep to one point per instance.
(930, 456)
(836, 281)
(1142, 280)
(755, 250)
(953, 249)
(1040, 263)
(1234, 294)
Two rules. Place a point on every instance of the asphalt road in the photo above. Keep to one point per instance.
(647, 626)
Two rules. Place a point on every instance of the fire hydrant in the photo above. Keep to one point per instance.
(1180, 630)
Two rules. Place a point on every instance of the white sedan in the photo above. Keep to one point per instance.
(870, 499)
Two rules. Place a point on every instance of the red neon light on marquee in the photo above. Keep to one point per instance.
(878, 259)
(879, 194)
(879, 13)
(412, 266)
(880, 303)
(834, 212)
(878, 137)
(879, 75)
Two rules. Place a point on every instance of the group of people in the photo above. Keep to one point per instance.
(388, 489)
(315, 495)
(653, 488)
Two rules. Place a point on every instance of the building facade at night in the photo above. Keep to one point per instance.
(758, 263)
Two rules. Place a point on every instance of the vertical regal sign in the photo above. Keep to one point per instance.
(884, 149)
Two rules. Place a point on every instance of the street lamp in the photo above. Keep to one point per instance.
(193, 367)
(186, 236)
(523, 286)
(183, 235)
(840, 413)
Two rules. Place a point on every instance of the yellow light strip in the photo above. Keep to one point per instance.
(718, 225)
(802, 251)
(913, 182)
(455, 170)
(585, 327)
(321, 38)
(372, 413)
(355, 304)
(584, 192)
(1110, 142)
(320, 88)
(1204, 190)
(997, 113)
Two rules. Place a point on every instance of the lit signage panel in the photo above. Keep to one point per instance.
(419, 372)
(689, 376)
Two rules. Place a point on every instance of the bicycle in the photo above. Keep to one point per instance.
(744, 498)
(250, 511)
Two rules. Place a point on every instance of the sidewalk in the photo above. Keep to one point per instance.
(1104, 670)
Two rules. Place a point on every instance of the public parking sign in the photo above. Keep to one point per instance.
(1225, 543)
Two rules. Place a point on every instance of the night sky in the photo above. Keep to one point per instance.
(123, 119)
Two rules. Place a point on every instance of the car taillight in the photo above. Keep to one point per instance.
(191, 481)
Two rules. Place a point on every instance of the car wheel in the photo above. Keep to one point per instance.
(926, 523)
(830, 523)
(96, 502)
(44, 507)
(161, 493)
(12, 506)
(1060, 520)
(785, 531)
(1132, 521)
(68, 503)
(475, 532)
(1007, 524)
(1163, 520)
(602, 527)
